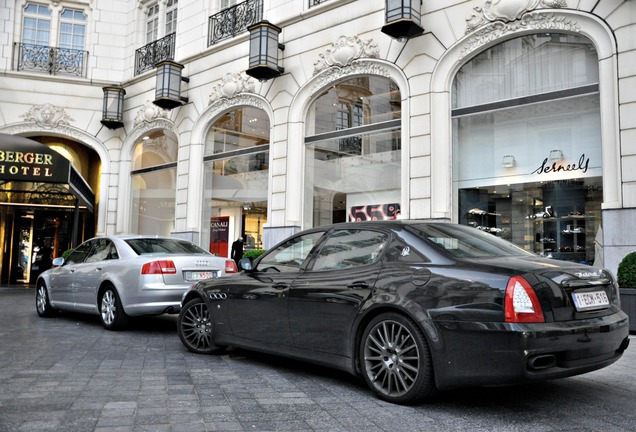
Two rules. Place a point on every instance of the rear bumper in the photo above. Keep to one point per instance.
(155, 300)
(501, 353)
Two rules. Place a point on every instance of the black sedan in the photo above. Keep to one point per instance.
(413, 307)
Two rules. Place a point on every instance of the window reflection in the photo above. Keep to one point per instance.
(236, 165)
(353, 149)
(154, 172)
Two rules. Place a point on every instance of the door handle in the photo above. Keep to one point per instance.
(358, 285)
(280, 285)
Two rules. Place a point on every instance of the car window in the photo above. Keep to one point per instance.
(466, 242)
(290, 256)
(350, 248)
(144, 246)
(80, 253)
(102, 250)
(406, 248)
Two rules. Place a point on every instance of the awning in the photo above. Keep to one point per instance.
(25, 160)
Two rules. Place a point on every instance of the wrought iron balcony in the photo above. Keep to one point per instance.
(234, 20)
(147, 56)
(50, 60)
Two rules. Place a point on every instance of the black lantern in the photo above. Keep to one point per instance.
(264, 48)
(168, 90)
(403, 19)
(113, 110)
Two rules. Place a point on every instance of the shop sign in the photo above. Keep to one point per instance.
(374, 212)
(219, 235)
(559, 166)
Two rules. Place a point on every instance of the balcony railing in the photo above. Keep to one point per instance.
(147, 56)
(50, 60)
(234, 20)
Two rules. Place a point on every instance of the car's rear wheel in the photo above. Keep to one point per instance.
(111, 310)
(195, 328)
(396, 359)
(42, 302)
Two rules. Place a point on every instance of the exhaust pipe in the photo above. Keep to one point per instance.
(541, 362)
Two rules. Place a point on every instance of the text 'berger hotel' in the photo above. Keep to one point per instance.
(212, 120)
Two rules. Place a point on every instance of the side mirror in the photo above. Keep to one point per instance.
(58, 261)
(246, 264)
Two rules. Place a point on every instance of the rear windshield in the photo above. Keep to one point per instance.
(145, 246)
(466, 242)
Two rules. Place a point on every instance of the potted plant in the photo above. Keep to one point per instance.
(626, 277)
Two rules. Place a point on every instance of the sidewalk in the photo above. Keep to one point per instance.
(69, 374)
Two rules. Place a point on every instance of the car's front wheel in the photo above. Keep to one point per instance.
(111, 310)
(396, 359)
(195, 328)
(42, 302)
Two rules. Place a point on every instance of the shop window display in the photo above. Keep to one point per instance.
(528, 111)
(557, 219)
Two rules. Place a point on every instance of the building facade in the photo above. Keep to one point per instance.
(517, 117)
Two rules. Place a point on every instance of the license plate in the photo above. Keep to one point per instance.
(200, 275)
(590, 300)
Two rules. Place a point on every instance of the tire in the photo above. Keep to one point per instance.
(42, 303)
(111, 311)
(396, 361)
(195, 328)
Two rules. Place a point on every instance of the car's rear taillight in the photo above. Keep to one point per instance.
(230, 266)
(159, 267)
(521, 303)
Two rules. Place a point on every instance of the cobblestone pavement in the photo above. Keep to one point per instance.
(69, 374)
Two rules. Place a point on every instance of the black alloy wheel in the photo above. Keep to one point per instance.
(195, 328)
(396, 359)
(111, 310)
(42, 303)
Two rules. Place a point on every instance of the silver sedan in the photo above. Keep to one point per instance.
(120, 276)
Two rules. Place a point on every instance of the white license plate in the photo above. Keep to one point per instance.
(200, 275)
(590, 300)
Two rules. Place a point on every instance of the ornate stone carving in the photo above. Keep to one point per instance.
(222, 105)
(146, 126)
(345, 51)
(47, 116)
(231, 86)
(507, 11)
(149, 112)
(529, 21)
(360, 67)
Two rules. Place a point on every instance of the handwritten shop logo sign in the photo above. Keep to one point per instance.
(559, 166)
(17, 163)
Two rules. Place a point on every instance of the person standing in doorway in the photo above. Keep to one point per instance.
(237, 250)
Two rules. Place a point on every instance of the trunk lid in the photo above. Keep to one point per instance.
(567, 291)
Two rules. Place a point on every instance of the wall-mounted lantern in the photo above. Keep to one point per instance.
(403, 19)
(113, 109)
(168, 90)
(264, 48)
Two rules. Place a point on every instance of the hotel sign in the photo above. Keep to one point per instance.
(25, 160)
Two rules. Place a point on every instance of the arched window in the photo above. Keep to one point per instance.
(353, 152)
(527, 144)
(236, 164)
(154, 173)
